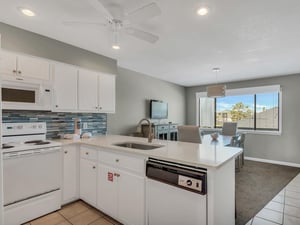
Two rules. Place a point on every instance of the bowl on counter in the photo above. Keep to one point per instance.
(214, 136)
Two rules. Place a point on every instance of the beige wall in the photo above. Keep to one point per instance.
(19, 40)
(134, 90)
(284, 147)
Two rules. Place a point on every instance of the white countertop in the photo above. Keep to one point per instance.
(208, 154)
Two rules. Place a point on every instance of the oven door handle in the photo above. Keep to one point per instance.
(18, 154)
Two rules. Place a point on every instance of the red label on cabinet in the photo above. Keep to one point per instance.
(110, 176)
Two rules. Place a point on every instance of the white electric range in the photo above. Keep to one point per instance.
(32, 170)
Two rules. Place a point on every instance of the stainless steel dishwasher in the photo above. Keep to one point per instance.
(176, 193)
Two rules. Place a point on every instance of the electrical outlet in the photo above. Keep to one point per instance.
(85, 125)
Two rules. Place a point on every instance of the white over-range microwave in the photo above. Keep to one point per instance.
(20, 95)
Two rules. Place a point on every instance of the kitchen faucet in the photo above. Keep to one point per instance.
(150, 134)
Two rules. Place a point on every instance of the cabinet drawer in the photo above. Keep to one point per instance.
(122, 161)
(88, 153)
(173, 127)
(162, 128)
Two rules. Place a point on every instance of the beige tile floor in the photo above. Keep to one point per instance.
(283, 209)
(77, 213)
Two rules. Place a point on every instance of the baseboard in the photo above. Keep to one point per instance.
(273, 162)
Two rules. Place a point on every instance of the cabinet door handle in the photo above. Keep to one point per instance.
(96, 107)
(100, 107)
(19, 72)
(116, 174)
(56, 106)
(94, 167)
(14, 71)
(117, 160)
(66, 152)
(18, 78)
(87, 153)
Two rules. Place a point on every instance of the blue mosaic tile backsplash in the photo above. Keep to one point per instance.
(59, 123)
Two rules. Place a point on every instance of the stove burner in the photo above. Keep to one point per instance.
(33, 142)
(37, 142)
(5, 146)
(42, 143)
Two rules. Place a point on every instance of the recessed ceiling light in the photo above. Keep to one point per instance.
(116, 47)
(27, 12)
(202, 11)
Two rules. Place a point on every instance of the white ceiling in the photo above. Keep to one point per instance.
(246, 39)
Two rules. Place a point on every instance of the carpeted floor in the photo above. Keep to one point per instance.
(256, 184)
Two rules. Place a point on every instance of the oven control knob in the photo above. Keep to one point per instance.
(189, 182)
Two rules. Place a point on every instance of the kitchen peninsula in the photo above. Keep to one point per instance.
(113, 178)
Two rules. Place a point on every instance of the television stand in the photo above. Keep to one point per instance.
(167, 131)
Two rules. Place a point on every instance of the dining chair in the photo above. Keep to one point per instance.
(238, 141)
(188, 133)
(229, 128)
(241, 140)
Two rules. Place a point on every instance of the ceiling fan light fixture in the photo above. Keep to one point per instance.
(26, 12)
(202, 11)
(115, 46)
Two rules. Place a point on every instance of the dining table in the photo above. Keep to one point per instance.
(222, 140)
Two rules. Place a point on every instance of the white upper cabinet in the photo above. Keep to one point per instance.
(22, 67)
(87, 91)
(65, 88)
(96, 92)
(33, 67)
(74, 89)
(107, 93)
(8, 63)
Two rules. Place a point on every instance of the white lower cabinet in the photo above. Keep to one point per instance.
(131, 198)
(70, 190)
(107, 190)
(114, 183)
(88, 181)
(120, 192)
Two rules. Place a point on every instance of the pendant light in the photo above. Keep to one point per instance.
(217, 90)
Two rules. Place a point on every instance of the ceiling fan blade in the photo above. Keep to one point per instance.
(142, 14)
(141, 34)
(113, 9)
(97, 4)
(82, 24)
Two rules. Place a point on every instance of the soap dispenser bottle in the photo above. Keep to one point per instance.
(77, 126)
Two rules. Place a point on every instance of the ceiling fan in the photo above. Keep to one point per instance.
(116, 20)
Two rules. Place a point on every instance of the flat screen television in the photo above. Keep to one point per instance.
(158, 109)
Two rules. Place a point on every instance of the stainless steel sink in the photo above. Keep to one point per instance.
(138, 146)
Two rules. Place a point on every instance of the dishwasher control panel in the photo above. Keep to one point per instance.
(186, 177)
(190, 183)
